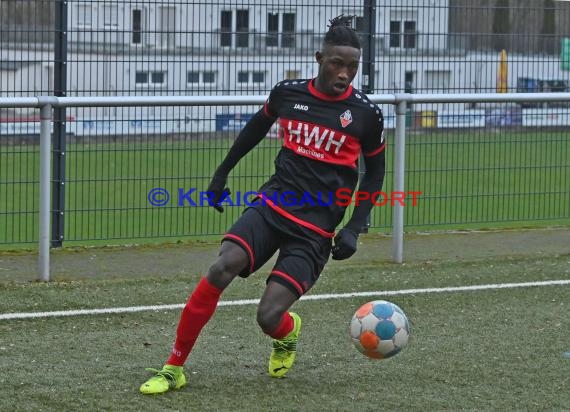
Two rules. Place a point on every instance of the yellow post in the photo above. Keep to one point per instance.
(503, 73)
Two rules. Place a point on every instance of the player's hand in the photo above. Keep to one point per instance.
(217, 191)
(344, 244)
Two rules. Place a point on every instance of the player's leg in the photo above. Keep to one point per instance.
(247, 246)
(300, 262)
(275, 320)
(200, 307)
(272, 315)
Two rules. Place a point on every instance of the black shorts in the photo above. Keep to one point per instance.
(303, 253)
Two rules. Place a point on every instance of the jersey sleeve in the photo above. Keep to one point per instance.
(271, 106)
(373, 142)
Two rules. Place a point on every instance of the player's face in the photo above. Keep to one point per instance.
(338, 66)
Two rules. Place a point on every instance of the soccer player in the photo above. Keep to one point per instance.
(325, 125)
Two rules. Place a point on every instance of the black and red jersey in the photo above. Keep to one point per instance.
(323, 137)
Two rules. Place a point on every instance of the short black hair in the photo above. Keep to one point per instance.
(341, 33)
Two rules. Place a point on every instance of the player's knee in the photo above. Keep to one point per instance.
(220, 273)
(230, 263)
(217, 269)
(268, 319)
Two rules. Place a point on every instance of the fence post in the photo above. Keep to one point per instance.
(59, 122)
(45, 192)
(368, 69)
(369, 46)
(399, 157)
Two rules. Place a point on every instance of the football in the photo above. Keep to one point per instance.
(379, 329)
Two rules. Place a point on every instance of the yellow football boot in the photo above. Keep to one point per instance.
(168, 378)
(284, 350)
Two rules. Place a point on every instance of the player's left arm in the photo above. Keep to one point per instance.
(251, 135)
(369, 188)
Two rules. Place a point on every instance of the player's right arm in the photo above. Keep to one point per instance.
(249, 137)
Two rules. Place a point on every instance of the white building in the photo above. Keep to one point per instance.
(181, 48)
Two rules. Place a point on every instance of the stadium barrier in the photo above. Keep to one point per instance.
(29, 126)
(401, 101)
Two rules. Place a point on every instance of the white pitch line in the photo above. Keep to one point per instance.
(132, 309)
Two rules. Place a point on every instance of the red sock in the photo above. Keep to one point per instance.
(285, 327)
(197, 312)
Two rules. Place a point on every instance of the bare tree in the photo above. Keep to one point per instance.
(25, 21)
(548, 30)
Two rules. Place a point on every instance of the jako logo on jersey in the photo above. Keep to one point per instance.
(301, 107)
(315, 136)
(346, 118)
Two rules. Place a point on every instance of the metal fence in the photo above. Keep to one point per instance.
(557, 186)
(478, 165)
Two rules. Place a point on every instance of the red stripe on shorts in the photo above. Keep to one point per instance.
(290, 280)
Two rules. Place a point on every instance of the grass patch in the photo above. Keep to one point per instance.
(468, 180)
(483, 350)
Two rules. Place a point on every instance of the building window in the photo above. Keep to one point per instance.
(255, 77)
(137, 26)
(394, 34)
(195, 78)
(359, 27)
(242, 28)
(403, 30)
(141, 78)
(157, 78)
(84, 16)
(410, 35)
(147, 79)
(234, 28)
(357, 22)
(409, 85)
(280, 29)
(110, 15)
(208, 77)
(243, 77)
(226, 29)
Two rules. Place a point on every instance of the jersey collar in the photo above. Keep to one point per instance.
(326, 97)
